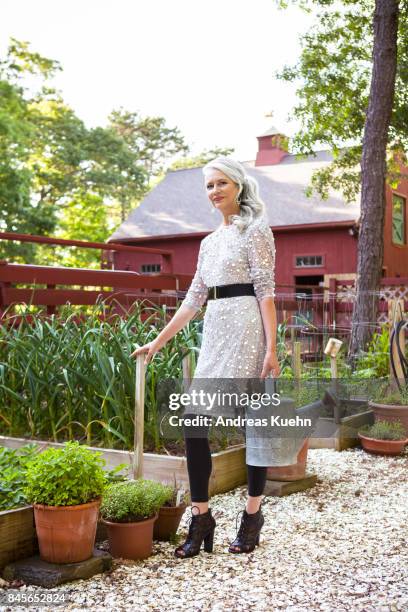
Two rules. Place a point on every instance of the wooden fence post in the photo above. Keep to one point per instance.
(139, 417)
(296, 361)
(332, 302)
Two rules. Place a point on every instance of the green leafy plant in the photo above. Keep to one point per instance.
(13, 466)
(117, 474)
(376, 361)
(70, 376)
(134, 500)
(383, 430)
(178, 495)
(65, 476)
(385, 394)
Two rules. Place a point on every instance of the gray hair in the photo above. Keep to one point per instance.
(250, 204)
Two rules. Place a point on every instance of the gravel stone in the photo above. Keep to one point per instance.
(339, 547)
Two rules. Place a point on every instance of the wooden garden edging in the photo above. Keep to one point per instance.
(17, 532)
(18, 538)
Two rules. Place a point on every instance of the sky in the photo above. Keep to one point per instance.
(207, 67)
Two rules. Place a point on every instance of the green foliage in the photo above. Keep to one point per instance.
(13, 466)
(177, 495)
(59, 177)
(385, 394)
(65, 476)
(117, 474)
(333, 76)
(383, 430)
(71, 376)
(201, 159)
(376, 362)
(305, 395)
(134, 500)
(149, 138)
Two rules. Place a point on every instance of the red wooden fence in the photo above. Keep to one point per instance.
(328, 308)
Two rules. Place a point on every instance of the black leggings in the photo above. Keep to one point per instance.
(199, 466)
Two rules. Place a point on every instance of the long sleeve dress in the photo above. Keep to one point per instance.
(233, 342)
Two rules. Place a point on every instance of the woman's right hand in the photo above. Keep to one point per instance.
(151, 348)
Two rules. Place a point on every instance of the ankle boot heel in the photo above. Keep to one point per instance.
(201, 529)
(248, 534)
(209, 542)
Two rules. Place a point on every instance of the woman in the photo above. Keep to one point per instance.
(235, 272)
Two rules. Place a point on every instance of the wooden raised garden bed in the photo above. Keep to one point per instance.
(339, 429)
(18, 538)
(17, 531)
(229, 470)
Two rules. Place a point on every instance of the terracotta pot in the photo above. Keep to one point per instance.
(66, 534)
(296, 471)
(382, 447)
(390, 413)
(168, 522)
(131, 540)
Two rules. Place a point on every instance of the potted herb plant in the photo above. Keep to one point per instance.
(129, 510)
(391, 405)
(170, 513)
(383, 438)
(65, 487)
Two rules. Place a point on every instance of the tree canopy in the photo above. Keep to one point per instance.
(58, 177)
(333, 75)
(201, 159)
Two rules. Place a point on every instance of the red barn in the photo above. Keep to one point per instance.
(315, 240)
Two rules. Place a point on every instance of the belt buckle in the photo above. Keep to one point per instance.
(215, 292)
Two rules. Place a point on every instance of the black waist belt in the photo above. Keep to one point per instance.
(235, 290)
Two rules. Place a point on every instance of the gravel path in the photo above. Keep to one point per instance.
(338, 547)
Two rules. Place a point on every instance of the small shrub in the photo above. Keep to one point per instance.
(385, 395)
(65, 476)
(376, 361)
(383, 430)
(13, 466)
(178, 495)
(134, 500)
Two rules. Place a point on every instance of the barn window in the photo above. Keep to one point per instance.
(398, 219)
(152, 267)
(309, 261)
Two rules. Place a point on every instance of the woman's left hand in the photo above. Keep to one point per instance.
(271, 365)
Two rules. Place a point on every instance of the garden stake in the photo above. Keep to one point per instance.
(296, 362)
(139, 417)
(187, 365)
(332, 348)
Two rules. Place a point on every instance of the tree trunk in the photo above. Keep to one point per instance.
(373, 175)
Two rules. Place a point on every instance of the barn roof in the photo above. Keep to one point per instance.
(179, 205)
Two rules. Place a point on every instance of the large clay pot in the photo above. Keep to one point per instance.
(382, 447)
(131, 540)
(390, 413)
(168, 522)
(296, 471)
(66, 534)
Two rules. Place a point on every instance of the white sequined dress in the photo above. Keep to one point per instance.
(233, 341)
(233, 344)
